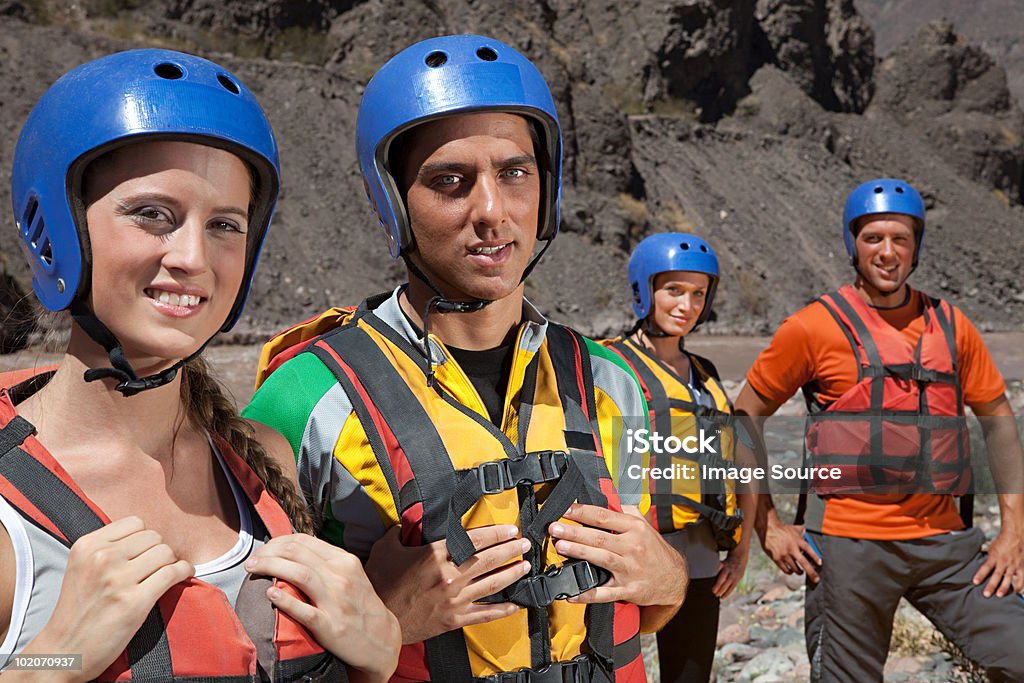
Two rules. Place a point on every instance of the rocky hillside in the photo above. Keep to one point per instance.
(746, 121)
(995, 25)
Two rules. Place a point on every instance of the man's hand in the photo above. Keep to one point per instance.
(1004, 566)
(787, 547)
(645, 569)
(430, 595)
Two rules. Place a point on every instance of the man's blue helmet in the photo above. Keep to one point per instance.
(114, 101)
(670, 251)
(440, 77)
(883, 195)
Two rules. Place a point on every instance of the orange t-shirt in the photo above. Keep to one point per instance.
(810, 347)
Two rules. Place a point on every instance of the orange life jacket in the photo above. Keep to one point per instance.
(901, 427)
(192, 633)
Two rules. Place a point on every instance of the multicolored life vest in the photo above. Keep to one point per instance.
(450, 469)
(683, 501)
(192, 633)
(901, 428)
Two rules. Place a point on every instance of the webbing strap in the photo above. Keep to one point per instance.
(433, 475)
(660, 407)
(402, 412)
(448, 657)
(867, 342)
(578, 670)
(149, 653)
(567, 347)
(557, 583)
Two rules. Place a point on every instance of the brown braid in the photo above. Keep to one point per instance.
(208, 407)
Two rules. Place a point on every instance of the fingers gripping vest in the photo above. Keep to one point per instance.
(449, 469)
(901, 428)
(193, 633)
(685, 500)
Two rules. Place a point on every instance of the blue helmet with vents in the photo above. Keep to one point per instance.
(110, 102)
(670, 251)
(441, 77)
(883, 195)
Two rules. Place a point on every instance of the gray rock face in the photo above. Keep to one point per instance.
(824, 46)
(957, 95)
(735, 119)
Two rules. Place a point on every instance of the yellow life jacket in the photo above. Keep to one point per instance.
(449, 469)
(689, 497)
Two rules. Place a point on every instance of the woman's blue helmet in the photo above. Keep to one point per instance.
(440, 77)
(114, 101)
(667, 251)
(883, 195)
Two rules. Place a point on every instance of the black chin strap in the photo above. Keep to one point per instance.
(647, 328)
(445, 305)
(128, 382)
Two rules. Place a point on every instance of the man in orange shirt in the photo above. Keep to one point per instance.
(886, 372)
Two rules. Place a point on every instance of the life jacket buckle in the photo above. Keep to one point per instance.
(576, 670)
(553, 464)
(494, 477)
(566, 581)
(539, 467)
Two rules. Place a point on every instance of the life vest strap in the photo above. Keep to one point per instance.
(911, 372)
(492, 477)
(723, 525)
(580, 669)
(497, 476)
(557, 583)
(722, 418)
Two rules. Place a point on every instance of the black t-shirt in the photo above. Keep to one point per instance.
(488, 371)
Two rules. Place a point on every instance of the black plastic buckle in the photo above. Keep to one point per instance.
(567, 581)
(576, 670)
(553, 464)
(539, 467)
(496, 470)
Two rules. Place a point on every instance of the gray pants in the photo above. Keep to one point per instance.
(849, 614)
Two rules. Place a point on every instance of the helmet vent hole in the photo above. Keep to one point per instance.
(171, 72)
(878, 189)
(46, 255)
(30, 215)
(228, 84)
(703, 248)
(899, 190)
(684, 246)
(487, 54)
(436, 59)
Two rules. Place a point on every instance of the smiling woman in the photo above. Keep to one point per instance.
(140, 516)
(167, 221)
(673, 278)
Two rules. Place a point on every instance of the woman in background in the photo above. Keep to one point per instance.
(673, 278)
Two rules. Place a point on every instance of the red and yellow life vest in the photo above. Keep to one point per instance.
(450, 469)
(683, 501)
(193, 632)
(901, 427)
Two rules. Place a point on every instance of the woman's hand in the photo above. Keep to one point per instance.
(731, 571)
(344, 613)
(114, 577)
